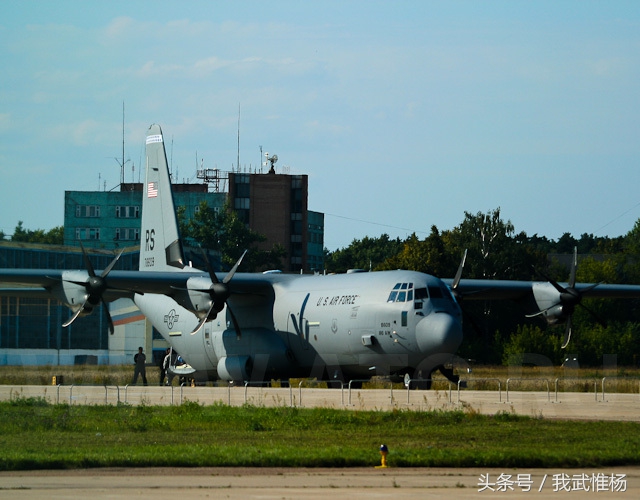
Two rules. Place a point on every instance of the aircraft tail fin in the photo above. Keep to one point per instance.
(160, 245)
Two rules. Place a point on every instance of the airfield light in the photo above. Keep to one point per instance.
(383, 457)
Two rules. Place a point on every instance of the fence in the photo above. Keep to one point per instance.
(308, 393)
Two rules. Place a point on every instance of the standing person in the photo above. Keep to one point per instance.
(169, 361)
(164, 366)
(140, 360)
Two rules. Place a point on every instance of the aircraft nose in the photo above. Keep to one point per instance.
(439, 332)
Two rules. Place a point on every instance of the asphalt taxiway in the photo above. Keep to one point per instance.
(311, 484)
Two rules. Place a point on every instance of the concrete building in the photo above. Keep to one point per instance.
(276, 205)
(111, 219)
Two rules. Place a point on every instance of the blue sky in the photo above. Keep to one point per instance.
(404, 114)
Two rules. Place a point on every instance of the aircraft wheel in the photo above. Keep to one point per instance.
(421, 381)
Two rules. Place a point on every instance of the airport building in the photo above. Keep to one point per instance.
(111, 219)
(274, 205)
(31, 331)
(106, 222)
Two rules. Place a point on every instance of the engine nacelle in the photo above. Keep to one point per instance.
(555, 315)
(236, 368)
(194, 298)
(70, 293)
(549, 303)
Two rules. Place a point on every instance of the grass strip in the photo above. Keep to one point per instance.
(38, 435)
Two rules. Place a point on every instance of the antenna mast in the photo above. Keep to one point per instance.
(122, 165)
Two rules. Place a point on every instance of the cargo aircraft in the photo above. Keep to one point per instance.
(259, 327)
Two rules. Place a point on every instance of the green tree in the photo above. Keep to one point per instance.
(367, 253)
(534, 340)
(222, 231)
(428, 256)
(490, 245)
(54, 236)
(631, 250)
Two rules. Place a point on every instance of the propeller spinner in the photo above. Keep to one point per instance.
(569, 298)
(219, 292)
(95, 287)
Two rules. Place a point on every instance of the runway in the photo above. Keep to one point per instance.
(337, 483)
(311, 484)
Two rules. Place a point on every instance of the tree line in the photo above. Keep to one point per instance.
(495, 331)
(54, 236)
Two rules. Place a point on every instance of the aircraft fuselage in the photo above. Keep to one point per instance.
(349, 326)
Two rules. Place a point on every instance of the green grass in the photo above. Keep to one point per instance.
(37, 435)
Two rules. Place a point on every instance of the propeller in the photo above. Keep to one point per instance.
(570, 298)
(458, 276)
(219, 293)
(459, 296)
(95, 287)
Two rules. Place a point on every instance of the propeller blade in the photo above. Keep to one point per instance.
(105, 307)
(458, 276)
(235, 322)
(75, 316)
(228, 277)
(567, 333)
(212, 274)
(204, 319)
(594, 315)
(574, 265)
(87, 261)
(110, 266)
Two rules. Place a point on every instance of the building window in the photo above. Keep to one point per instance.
(127, 212)
(87, 233)
(87, 210)
(241, 203)
(127, 234)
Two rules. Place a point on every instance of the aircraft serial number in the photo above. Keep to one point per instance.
(149, 262)
(337, 300)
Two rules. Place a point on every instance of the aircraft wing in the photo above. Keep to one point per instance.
(478, 289)
(41, 282)
(472, 289)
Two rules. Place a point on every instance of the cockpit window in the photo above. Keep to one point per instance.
(435, 292)
(402, 292)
